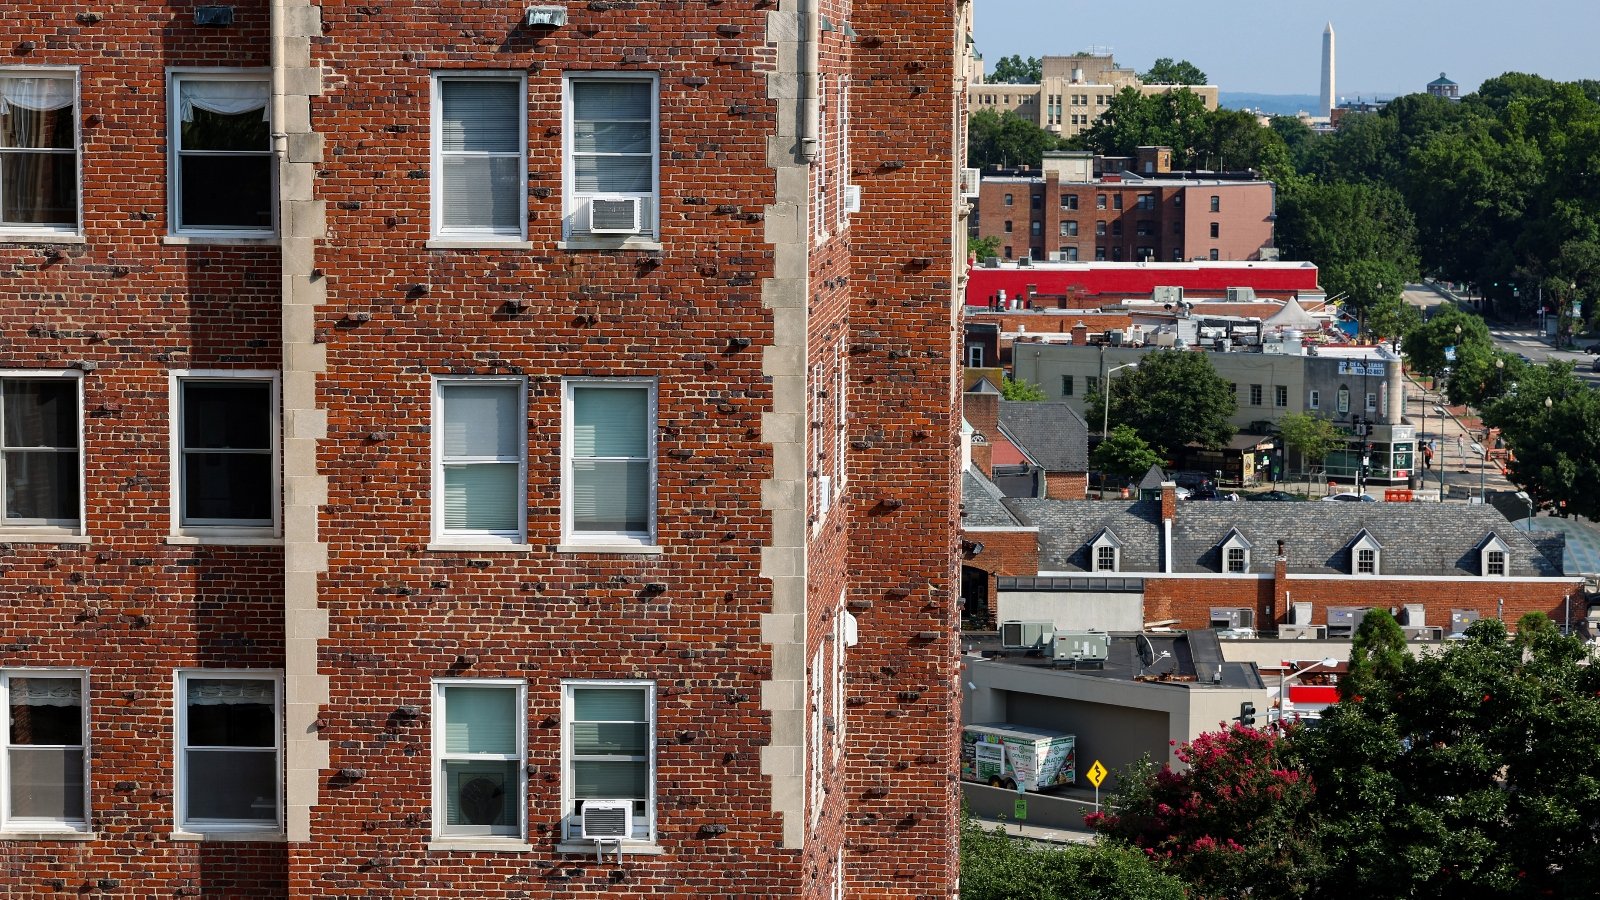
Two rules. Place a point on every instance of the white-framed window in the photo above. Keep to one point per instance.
(817, 442)
(225, 452)
(819, 166)
(1238, 559)
(229, 755)
(1105, 558)
(611, 142)
(44, 761)
(819, 741)
(1315, 400)
(41, 449)
(1372, 402)
(975, 356)
(39, 150)
(608, 743)
(222, 178)
(1494, 562)
(840, 416)
(1366, 561)
(1280, 396)
(842, 128)
(480, 153)
(480, 459)
(1255, 395)
(608, 461)
(480, 750)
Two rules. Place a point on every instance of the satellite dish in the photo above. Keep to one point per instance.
(1147, 651)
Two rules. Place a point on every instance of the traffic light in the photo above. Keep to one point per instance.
(1247, 713)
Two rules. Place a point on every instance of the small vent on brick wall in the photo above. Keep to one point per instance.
(213, 16)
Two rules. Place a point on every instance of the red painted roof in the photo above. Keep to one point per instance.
(1005, 453)
(1136, 279)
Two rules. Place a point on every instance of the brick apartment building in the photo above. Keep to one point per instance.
(437, 432)
(1066, 212)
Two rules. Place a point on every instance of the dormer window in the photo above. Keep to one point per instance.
(1366, 555)
(1105, 552)
(1235, 554)
(1494, 557)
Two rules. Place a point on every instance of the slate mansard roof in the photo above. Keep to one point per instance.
(981, 503)
(1052, 434)
(1066, 527)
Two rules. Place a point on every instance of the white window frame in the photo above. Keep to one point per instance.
(1280, 396)
(649, 226)
(26, 230)
(841, 414)
(221, 530)
(1315, 401)
(9, 825)
(975, 356)
(47, 528)
(819, 165)
(175, 226)
(505, 540)
(644, 832)
(1493, 559)
(1232, 554)
(441, 831)
(474, 236)
(818, 738)
(1099, 557)
(842, 128)
(1486, 557)
(1372, 402)
(180, 737)
(624, 541)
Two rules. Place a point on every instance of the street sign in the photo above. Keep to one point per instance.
(1097, 773)
(1020, 810)
(1449, 354)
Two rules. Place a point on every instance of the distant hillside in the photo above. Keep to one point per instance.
(1271, 104)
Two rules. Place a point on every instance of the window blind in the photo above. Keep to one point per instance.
(481, 420)
(481, 161)
(480, 720)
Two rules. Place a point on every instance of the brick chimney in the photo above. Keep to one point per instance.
(1080, 334)
(982, 412)
(1279, 611)
(1169, 501)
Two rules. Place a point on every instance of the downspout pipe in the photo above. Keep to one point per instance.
(280, 137)
(810, 94)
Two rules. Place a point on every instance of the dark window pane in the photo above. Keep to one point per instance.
(235, 486)
(42, 413)
(38, 188)
(219, 131)
(482, 793)
(231, 785)
(230, 722)
(46, 711)
(41, 484)
(47, 783)
(226, 191)
(34, 128)
(235, 415)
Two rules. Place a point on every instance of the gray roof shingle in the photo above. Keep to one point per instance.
(1417, 538)
(981, 503)
(1052, 434)
(1067, 526)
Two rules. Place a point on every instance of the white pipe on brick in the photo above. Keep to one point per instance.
(810, 69)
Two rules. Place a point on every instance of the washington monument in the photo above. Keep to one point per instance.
(1328, 96)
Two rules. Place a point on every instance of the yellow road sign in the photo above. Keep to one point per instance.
(1097, 773)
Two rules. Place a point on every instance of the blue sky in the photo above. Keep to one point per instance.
(1384, 46)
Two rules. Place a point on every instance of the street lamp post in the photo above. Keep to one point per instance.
(1525, 497)
(1105, 408)
(1327, 662)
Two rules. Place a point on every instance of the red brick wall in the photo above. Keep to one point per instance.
(126, 309)
(1009, 553)
(1066, 485)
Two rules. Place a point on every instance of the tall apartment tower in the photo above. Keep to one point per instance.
(1329, 98)
(471, 450)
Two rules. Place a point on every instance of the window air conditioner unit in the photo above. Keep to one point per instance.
(852, 198)
(546, 16)
(614, 215)
(970, 179)
(606, 820)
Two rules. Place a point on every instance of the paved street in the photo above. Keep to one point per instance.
(1522, 338)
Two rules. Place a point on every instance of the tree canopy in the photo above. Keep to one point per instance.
(1124, 454)
(1165, 71)
(1006, 139)
(1016, 70)
(1552, 425)
(1310, 436)
(996, 866)
(1174, 398)
(1025, 391)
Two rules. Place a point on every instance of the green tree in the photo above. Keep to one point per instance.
(1463, 774)
(1016, 70)
(1165, 71)
(1360, 235)
(1176, 119)
(996, 866)
(984, 247)
(1424, 345)
(1025, 391)
(1555, 445)
(1124, 454)
(1309, 436)
(1236, 822)
(1006, 139)
(1172, 399)
(1377, 655)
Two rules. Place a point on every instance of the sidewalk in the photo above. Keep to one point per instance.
(1456, 431)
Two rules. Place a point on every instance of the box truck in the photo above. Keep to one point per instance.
(1017, 756)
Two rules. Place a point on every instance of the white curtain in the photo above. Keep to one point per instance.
(46, 692)
(37, 94)
(228, 692)
(228, 98)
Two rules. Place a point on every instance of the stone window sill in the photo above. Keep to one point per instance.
(48, 836)
(444, 845)
(230, 837)
(629, 848)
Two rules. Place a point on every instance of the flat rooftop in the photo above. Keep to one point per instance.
(1184, 658)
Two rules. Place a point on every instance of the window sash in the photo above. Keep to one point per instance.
(480, 744)
(616, 775)
(253, 498)
(244, 177)
(227, 763)
(624, 111)
(38, 176)
(609, 462)
(57, 487)
(480, 458)
(480, 146)
(38, 775)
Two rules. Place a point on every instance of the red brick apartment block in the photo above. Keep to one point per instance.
(479, 451)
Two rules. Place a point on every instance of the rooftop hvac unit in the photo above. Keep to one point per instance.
(970, 179)
(991, 262)
(1026, 635)
(1300, 613)
(1414, 614)
(1081, 647)
(1167, 293)
(1302, 632)
(1342, 621)
(1461, 619)
(1241, 295)
(606, 820)
(1233, 617)
(614, 215)
(1422, 632)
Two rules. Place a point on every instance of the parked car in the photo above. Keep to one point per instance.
(1194, 480)
(1282, 496)
(1595, 366)
(1349, 498)
(1183, 493)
